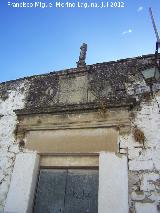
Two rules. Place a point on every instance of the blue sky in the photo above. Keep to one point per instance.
(36, 40)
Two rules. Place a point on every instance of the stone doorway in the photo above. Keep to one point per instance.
(67, 191)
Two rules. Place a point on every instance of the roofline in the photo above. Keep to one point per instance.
(79, 69)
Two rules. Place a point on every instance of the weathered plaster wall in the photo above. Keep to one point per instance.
(114, 82)
(144, 158)
(12, 98)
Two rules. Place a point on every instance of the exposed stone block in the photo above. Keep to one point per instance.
(145, 208)
(148, 181)
(134, 153)
(138, 196)
(123, 151)
(133, 181)
(136, 165)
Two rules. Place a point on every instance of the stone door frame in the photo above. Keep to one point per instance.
(113, 167)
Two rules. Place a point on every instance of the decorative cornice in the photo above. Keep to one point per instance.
(70, 108)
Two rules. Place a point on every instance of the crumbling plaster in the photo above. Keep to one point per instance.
(144, 158)
(50, 90)
(14, 99)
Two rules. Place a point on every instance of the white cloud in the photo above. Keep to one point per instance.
(127, 32)
(140, 9)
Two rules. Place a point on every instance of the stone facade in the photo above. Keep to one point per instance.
(111, 95)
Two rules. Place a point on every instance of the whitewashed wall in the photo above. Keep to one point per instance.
(8, 147)
(144, 161)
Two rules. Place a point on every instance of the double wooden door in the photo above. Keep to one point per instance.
(67, 191)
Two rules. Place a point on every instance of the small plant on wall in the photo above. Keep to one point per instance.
(21, 145)
(102, 109)
(138, 135)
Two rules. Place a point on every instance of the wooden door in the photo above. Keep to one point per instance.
(67, 191)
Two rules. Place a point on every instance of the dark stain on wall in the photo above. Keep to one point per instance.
(107, 82)
(42, 91)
